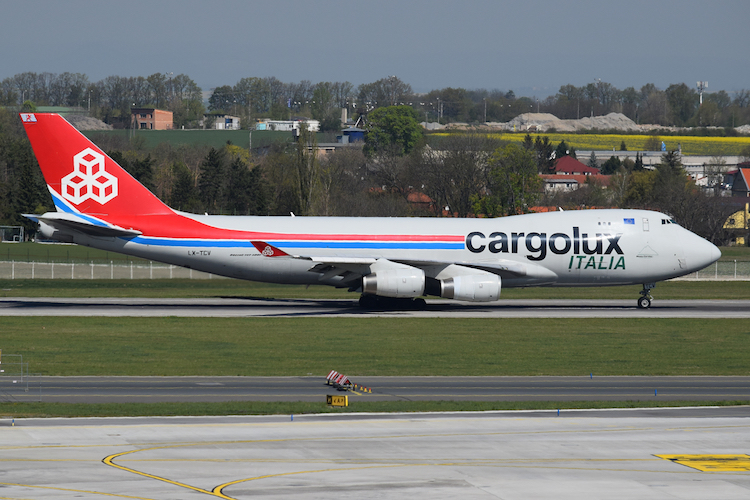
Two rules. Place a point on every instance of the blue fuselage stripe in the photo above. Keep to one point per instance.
(65, 208)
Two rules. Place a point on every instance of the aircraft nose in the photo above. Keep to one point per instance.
(701, 252)
(715, 253)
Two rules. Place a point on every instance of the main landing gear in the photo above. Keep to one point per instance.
(369, 301)
(645, 301)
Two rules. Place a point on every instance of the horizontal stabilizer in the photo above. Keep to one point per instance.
(64, 221)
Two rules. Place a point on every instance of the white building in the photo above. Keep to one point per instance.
(221, 122)
(287, 125)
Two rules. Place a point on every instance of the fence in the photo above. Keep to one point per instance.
(719, 271)
(722, 271)
(76, 270)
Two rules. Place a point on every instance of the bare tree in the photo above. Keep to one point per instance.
(714, 171)
(456, 175)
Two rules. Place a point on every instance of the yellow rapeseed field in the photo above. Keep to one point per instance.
(691, 145)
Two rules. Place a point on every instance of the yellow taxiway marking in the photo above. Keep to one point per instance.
(712, 463)
(72, 490)
(109, 461)
(217, 491)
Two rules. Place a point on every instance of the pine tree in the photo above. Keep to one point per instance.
(143, 171)
(592, 161)
(528, 142)
(610, 166)
(211, 181)
(638, 162)
(247, 192)
(184, 193)
(561, 150)
(544, 159)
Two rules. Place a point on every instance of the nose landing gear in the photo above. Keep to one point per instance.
(644, 302)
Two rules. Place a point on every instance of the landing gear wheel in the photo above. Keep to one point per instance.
(645, 301)
(367, 301)
(380, 303)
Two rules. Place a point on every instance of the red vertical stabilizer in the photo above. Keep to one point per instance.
(81, 177)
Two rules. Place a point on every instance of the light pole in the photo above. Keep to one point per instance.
(701, 87)
(169, 89)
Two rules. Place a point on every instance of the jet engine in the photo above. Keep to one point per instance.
(473, 287)
(50, 232)
(399, 283)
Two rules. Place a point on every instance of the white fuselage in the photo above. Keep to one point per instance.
(573, 248)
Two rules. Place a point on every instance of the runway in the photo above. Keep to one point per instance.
(238, 307)
(619, 455)
(314, 389)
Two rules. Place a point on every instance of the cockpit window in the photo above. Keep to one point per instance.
(668, 221)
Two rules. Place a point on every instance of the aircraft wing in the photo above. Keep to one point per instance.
(350, 268)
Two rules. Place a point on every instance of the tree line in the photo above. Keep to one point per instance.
(400, 171)
(111, 99)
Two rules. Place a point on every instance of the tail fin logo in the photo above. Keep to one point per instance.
(89, 180)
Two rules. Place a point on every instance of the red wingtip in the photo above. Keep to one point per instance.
(268, 250)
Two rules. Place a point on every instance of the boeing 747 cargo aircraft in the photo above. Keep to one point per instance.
(98, 204)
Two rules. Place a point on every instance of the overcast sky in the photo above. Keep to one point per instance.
(529, 46)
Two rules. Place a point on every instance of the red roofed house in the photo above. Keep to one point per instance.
(571, 174)
(567, 165)
(741, 184)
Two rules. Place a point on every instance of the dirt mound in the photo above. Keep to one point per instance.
(544, 121)
(82, 122)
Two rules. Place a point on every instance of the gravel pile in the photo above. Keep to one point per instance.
(545, 121)
(82, 122)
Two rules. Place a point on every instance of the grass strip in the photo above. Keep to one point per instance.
(377, 346)
(73, 410)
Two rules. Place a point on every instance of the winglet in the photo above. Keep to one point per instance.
(268, 250)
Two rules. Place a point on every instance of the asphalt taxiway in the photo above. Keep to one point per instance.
(621, 455)
(251, 307)
(314, 389)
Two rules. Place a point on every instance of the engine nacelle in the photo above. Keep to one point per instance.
(398, 283)
(474, 288)
(50, 232)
